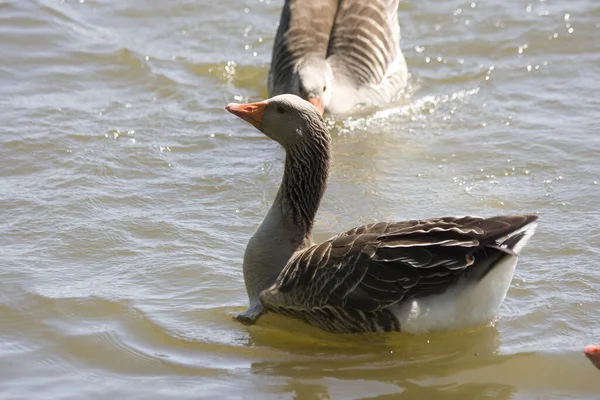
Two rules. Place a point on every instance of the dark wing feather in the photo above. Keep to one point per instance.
(304, 28)
(373, 266)
(365, 39)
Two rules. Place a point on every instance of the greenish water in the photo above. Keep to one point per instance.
(127, 196)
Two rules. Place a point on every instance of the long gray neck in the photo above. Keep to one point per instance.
(287, 226)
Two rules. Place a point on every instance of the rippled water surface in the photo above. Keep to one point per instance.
(127, 196)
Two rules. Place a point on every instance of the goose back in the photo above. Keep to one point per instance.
(359, 41)
(365, 40)
(304, 30)
(351, 282)
(365, 56)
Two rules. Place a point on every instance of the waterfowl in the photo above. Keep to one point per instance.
(593, 354)
(414, 276)
(338, 53)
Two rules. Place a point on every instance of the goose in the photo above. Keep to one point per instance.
(414, 276)
(593, 354)
(338, 54)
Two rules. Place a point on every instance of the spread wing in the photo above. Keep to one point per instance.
(371, 267)
(365, 42)
(304, 28)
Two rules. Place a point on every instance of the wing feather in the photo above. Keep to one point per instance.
(374, 266)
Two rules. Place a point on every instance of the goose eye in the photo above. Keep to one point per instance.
(280, 109)
(324, 88)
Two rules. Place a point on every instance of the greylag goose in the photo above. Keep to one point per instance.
(593, 354)
(414, 276)
(338, 53)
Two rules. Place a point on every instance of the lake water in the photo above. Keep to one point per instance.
(128, 194)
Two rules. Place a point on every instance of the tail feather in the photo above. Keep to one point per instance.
(492, 254)
(516, 240)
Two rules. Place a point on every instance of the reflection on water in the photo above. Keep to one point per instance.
(127, 196)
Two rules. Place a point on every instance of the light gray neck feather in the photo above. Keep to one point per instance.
(287, 227)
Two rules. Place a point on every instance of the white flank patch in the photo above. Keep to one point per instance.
(465, 304)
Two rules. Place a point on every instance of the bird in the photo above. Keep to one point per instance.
(413, 276)
(338, 54)
(593, 354)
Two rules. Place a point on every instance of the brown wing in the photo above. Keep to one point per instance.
(304, 28)
(371, 267)
(366, 39)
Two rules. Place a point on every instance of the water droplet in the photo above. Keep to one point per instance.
(567, 16)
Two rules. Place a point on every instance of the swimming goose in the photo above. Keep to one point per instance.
(414, 276)
(338, 53)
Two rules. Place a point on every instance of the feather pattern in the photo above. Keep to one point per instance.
(358, 40)
(365, 40)
(304, 31)
(350, 282)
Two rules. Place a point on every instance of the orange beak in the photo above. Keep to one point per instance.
(593, 353)
(316, 101)
(251, 112)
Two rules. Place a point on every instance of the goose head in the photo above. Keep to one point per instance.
(287, 119)
(313, 81)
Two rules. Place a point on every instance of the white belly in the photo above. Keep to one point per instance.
(463, 305)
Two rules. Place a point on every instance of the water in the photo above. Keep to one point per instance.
(127, 196)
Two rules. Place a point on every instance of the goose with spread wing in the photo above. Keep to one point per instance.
(414, 276)
(338, 54)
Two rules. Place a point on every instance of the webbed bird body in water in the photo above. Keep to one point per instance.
(414, 276)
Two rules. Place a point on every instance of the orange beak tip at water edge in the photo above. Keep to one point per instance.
(316, 101)
(592, 350)
(250, 112)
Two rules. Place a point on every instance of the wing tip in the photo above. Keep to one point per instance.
(517, 239)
